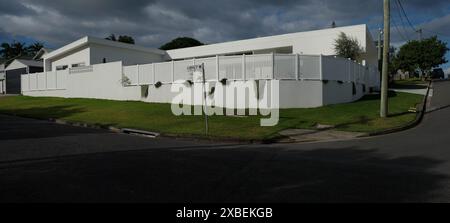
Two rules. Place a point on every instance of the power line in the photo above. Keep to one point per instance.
(404, 13)
(405, 38)
(404, 26)
(398, 30)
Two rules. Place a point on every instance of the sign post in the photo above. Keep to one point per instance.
(201, 69)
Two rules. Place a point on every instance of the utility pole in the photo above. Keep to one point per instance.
(380, 54)
(385, 68)
(419, 31)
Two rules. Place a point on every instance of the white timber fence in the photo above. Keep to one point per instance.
(53, 80)
(232, 68)
(256, 67)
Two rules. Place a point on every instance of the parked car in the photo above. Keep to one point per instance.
(437, 73)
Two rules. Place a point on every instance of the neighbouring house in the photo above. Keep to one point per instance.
(90, 50)
(41, 53)
(2, 78)
(447, 73)
(15, 69)
(317, 42)
(400, 75)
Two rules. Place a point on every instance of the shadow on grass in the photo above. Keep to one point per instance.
(22, 127)
(55, 112)
(370, 97)
(263, 174)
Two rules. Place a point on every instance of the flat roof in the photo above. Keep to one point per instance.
(259, 43)
(89, 39)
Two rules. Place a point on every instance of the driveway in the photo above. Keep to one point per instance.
(98, 166)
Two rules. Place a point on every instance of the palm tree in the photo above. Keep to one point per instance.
(34, 48)
(18, 49)
(111, 37)
(5, 51)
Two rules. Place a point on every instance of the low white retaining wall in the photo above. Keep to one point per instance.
(304, 81)
(2, 87)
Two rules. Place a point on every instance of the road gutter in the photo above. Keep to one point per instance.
(412, 124)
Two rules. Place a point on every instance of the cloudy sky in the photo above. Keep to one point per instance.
(154, 22)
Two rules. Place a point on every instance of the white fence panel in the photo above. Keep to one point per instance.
(210, 67)
(61, 80)
(360, 73)
(131, 73)
(309, 66)
(285, 67)
(335, 68)
(33, 81)
(41, 81)
(23, 81)
(146, 74)
(352, 71)
(51, 80)
(181, 70)
(163, 72)
(356, 67)
(230, 67)
(258, 67)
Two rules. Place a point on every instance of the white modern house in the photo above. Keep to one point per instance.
(317, 42)
(90, 50)
(309, 73)
(41, 53)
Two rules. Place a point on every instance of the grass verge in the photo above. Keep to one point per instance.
(359, 116)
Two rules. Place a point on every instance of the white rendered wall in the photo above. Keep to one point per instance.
(337, 93)
(94, 54)
(127, 56)
(81, 55)
(312, 42)
(104, 81)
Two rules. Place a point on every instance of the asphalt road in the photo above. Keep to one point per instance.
(45, 162)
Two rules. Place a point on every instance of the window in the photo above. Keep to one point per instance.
(78, 65)
(61, 67)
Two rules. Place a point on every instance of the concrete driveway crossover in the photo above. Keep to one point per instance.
(98, 166)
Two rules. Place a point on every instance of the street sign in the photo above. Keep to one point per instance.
(199, 69)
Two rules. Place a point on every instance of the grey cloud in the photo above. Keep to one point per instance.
(154, 22)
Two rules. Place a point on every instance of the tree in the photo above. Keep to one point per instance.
(12, 50)
(347, 47)
(126, 39)
(422, 55)
(181, 42)
(18, 49)
(333, 24)
(111, 37)
(34, 48)
(6, 51)
(122, 39)
(9, 51)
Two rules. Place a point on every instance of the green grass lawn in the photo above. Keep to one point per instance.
(361, 116)
(411, 81)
